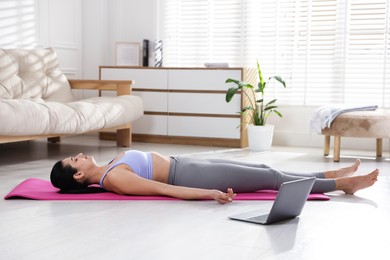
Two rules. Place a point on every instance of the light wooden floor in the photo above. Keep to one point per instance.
(346, 227)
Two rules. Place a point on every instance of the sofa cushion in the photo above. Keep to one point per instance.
(26, 117)
(32, 74)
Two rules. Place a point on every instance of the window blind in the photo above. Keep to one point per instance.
(197, 32)
(18, 23)
(328, 51)
(366, 50)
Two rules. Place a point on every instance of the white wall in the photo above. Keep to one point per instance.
(83, 33)
(43, 23)
(95, 27)
(106, 22)
(58, 23)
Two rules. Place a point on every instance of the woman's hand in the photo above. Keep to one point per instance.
(223, 197)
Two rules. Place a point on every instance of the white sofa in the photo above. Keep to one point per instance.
(36, 100)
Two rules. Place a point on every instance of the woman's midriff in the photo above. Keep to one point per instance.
(160, 167)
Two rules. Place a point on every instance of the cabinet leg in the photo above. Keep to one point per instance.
(326, 145)
(379, 147)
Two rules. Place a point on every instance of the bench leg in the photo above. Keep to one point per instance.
(326, 145)
(123, 137)
(336, 153)
(379, 148)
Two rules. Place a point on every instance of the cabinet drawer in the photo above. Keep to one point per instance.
(153, 101)
(202, 103)
(205, 79)
(151, 124)
(144, 78)
(204, 127)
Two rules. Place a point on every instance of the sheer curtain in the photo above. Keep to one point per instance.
(328, 51)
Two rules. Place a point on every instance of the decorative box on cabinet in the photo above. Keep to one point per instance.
(184, 105)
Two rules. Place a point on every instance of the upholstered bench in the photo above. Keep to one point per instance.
(363, 124)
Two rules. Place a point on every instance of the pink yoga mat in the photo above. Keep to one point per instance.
(38, 189)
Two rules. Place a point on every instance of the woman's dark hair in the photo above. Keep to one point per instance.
(61, 177)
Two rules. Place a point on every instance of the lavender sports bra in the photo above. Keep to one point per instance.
(139, 162)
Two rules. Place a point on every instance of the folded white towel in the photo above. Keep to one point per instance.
(324, 116)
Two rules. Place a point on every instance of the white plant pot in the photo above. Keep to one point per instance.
(260, 137)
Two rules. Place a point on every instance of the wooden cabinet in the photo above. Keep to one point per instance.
(184, 105)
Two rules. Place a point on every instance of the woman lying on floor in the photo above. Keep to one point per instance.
(149, 173)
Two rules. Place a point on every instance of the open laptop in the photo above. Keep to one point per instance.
(288, 204)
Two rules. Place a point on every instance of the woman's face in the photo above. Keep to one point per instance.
(80, 161)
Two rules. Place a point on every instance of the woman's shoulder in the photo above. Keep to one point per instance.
(117, 176)
(114, 166)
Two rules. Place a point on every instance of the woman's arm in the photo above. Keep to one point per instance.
(122, 181)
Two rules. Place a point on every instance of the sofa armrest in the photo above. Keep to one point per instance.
(122, 87)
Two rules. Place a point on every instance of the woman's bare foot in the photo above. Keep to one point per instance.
(343, 172)
(354, 183)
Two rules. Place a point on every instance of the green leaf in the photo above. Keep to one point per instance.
(271, 102)
(261, 80)
(258, 91)
(246, 85)
(270, 107)
(278, 113)
(278, 78)
(246, 108)
(257, 120)
(240, 84)
(230, 93)
(261, 111)
(232, 81)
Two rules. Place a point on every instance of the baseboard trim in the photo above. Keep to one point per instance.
(185, 140)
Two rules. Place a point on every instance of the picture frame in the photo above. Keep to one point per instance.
(127, 54)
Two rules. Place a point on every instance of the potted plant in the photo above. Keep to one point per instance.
(258, 107)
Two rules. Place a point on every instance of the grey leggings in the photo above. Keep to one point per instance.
(240, 176)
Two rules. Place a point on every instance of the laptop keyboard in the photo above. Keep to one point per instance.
(259, 219)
